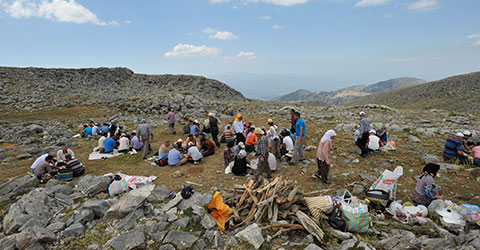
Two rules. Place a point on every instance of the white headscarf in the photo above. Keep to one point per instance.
(328, 136)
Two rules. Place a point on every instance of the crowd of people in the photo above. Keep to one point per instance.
(48, 165)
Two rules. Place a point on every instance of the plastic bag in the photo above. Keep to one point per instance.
(355, 213)
(219, 210)
(388, 181)
(470, 212)
(450, 216)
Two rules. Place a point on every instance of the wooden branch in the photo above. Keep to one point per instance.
(284, 230)
(277, 225)
(275, 212)
(292, 194)
(310, 225)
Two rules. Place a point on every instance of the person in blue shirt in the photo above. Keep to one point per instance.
(87, 131)
(300, 140)
(95, 130)
(109, 144)
(105, 128)
(175, 158)
(194, 129)
(454, 149)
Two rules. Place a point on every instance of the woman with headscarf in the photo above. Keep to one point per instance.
(324, 156)
(382, 134)
(240, 163)
(426, 190)
(238, 128)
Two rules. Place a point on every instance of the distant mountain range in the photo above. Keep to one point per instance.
(457, 93)
(350, 93)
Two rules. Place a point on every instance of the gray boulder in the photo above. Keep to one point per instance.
(253, 234)
(413, 139)
(182, 240)
(17, 187)
(130, 220)
(8, 243)
(99, 207)
(91, 185)
(448, 168)
(354, 244)
(134, 239)
(197, 199)
(159, 193)
(74, 230)
(427, 158)
(208, 222)
(312, 247)
(130, 202)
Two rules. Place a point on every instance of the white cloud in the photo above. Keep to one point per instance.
(247, 55)
(265, 17)
(188, 50)
(389, 15)
(400, 60)
(277, 27)
(209, 30)
(424, 5)
(473, 36)
(477, 43)
(58, 10)
(218, 1)
(287, 3)
(127, 22)
(223, 35)
(364, 3)
(114, 23)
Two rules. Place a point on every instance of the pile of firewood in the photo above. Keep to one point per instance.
(277, 203)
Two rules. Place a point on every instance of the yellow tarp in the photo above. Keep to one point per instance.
(219, 210)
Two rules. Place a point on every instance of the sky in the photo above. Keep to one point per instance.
(345, 41)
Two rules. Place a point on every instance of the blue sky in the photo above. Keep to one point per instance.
(346, 41)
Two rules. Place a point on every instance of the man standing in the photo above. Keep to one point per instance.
(145, 132)
(364, 133)
(171, 120)
(214, 128)
(300, 134)
(262, 150)
(294, 120)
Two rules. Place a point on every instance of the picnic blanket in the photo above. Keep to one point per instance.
(135, 182)
(99, 156)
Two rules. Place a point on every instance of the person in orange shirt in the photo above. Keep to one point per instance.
(191, 138)
(251, 141)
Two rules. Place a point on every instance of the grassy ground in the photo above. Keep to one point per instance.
(342, 173)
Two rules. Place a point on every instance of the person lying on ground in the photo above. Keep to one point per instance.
(382, 134)
(164, 150)
(135, 142)
(374, 143)
(241, 164)
(251, 141)
(175, 157)
(123, 144)
(74, 164)
(207, 147)
(426, 190)
(324, 156)
(41, 159)
(191, 138)
(238, 148)
(61, 155)
(45, 167)
(227, 153)
(194, 154)
(454, 149)
(466, 143)
(476, 155)
(187, 126)
(109, 144)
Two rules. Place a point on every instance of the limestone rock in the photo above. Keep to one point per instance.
(252, 234)
(134, 239)
(181, 240)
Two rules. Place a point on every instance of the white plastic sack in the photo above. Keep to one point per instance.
(451, 216)
(388, 181)
(228, 169)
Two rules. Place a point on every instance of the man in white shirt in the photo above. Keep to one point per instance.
(40, 159)
(374, 141)
(124, 144)
(61, 159)
(194, 153)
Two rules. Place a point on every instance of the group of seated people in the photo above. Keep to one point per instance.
(191, 150)
(459, 147)
(123, 143)
(377, 138)
(94, 130)
(47, 165)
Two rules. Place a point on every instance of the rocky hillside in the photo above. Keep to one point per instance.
(38, 88)
(458, 93)
(350, 93)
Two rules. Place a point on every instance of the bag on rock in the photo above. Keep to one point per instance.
(187, 192)
(355, 213)
(118, 187)
(318, 205)
(335, 218)
(388, 181)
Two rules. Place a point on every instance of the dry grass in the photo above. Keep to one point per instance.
(341, 174)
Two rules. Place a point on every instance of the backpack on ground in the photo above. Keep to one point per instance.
(162, 161)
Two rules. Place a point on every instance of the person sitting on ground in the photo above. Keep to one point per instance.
(175, 157)
(187, 126)
(191, 138)
(45, 167)
(476, 155)
(356, 134)
(101, 143)
(241, 163)
(454, 149)
(195, 129)
(194, 154)
(324, 156)
(41, 159)
(228, 134)
(251, 141)
(164, 150)
(467, 144)
(382, 134)
(123, 144)
(207, 147)
(426, 190)
(206, 127)
(109, 144)
(287, 143)
(86, 131)
(113, 127)
(227, 153)
(135, 142)
(105, 129)
(74, 165)
(238, 126)
(95, 130)
(374, 143)
(238, 148)
(61, 155)
(364, 127)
